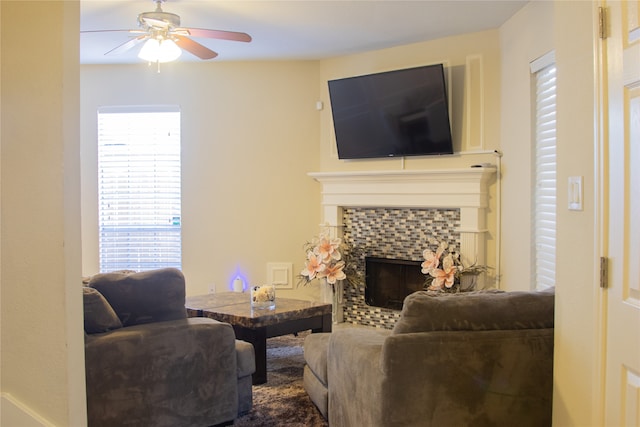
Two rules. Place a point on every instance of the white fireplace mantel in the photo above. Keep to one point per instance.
(466, 189)
(440, 188)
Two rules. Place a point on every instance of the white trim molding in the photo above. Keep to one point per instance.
(466, 189)
(16, 413)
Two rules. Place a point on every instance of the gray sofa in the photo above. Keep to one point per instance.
(468, 359)
(147, 364)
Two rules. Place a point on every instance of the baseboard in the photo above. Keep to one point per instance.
(15, 413)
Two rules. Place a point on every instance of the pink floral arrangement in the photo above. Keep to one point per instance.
(324, 260)
(444, 268)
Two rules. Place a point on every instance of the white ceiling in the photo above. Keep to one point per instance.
(293, 29)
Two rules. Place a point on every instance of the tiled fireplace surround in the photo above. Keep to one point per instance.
(398, 214)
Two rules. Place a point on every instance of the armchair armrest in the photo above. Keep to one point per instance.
(454, 378)
(440, 378)
(354, 374)
(162, 374)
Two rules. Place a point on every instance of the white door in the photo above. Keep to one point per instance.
(621, 51)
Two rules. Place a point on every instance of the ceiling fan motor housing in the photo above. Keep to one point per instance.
(152, 19)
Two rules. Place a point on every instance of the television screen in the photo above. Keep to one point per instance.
(395, 113)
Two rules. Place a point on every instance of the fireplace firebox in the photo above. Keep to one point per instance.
(389, 281)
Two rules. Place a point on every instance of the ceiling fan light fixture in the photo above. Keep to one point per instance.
(159, 50)
(163, 39)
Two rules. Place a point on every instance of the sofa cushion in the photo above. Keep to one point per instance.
(146, 297)
(315, 354)
(162, 374)
(317, 391)
(246, 358)
(98, 314)
(475, 311)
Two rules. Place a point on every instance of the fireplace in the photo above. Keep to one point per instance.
(386, 235)
(398, 214)
(389, 281)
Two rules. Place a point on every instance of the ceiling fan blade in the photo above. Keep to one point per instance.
(194, 47)
(113, 31)
(217, 34)
(126, 45)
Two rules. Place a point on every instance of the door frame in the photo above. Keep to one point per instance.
(601, 207)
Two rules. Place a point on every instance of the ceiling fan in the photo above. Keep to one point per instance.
(163, 37)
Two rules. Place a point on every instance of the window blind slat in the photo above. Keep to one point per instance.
(139, 188)
(544, 190)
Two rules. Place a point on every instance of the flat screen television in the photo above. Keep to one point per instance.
(395, 113)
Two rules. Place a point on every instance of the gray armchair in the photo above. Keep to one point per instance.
(469, 359)
(147, 364)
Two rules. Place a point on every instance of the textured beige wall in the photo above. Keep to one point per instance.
(249, 137)
(42, 336)
(525, 37)
(576, 351)
(245, 109)
(567, 28)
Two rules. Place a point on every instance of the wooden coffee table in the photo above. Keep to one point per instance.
(255, 326)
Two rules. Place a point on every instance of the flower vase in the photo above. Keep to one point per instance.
(468, 282)
(326, 292)
(333, 295)
(263, 297)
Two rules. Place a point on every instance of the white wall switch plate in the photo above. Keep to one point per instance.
(575, 193)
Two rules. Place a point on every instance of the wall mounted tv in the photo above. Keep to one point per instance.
(395, 113)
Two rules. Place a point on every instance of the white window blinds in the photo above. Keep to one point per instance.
(139, 188)
(544, 193)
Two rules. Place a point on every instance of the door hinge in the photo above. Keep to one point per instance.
(604, 272)
(602, 23)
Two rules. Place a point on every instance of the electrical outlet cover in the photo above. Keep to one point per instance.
(280, 274)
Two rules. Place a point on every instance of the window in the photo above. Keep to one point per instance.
(544, 170)
(139, 188)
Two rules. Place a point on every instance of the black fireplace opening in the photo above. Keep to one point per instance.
(388, 281)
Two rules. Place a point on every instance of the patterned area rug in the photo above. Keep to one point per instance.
(282, 401)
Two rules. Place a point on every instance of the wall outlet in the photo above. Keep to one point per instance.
(212, 288)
